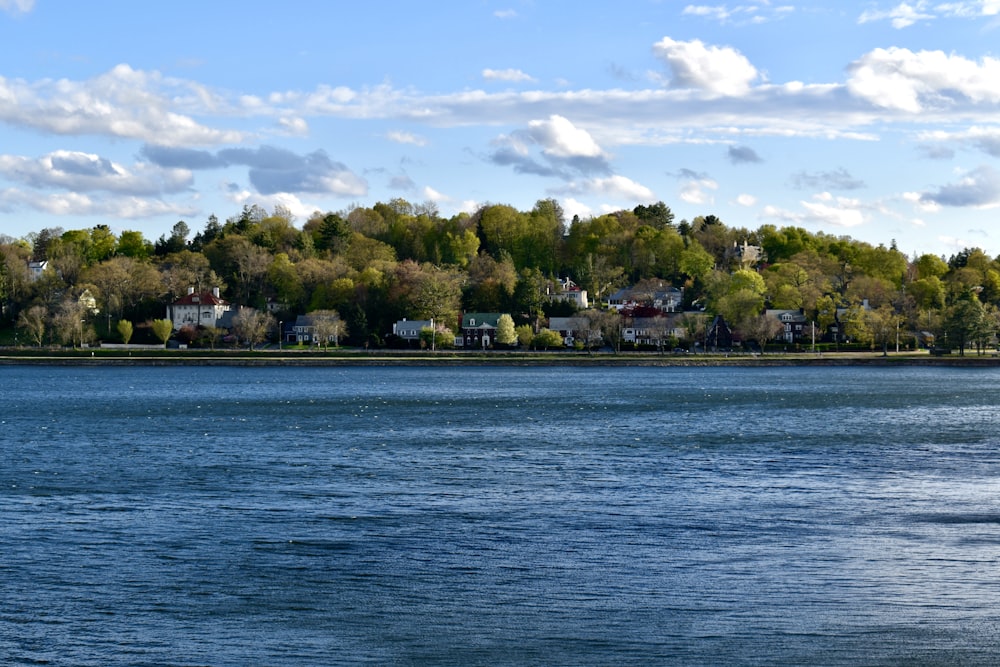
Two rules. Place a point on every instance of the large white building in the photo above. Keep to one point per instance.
(205, 309)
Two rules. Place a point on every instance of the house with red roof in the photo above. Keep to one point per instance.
(205, 309)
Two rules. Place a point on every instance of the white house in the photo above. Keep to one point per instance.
(569, 291)
(36, 269)
(205, 309)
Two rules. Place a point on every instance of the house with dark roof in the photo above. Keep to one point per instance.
(409, 330)
(719, 335)
(479, 330)
(796, 326)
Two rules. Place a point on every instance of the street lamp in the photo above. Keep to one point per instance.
(281, 333)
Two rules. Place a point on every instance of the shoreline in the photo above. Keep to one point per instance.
(495, 358)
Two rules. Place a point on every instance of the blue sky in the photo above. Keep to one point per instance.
(876, 120)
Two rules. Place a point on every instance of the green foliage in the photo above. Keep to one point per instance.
(546, 339)
(125, 330)
(162, 329)
(377, 264)
(506, 334)
(524, 334)
(438, 338)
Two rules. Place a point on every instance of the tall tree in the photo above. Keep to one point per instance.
(162, 329)
(505, 330)
(32, 322)
(253, 325)
(125, 330)
(328, 326)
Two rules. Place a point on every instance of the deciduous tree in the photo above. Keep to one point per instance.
(253, 325)
(162, 329)
(32, 322)
(125, 330)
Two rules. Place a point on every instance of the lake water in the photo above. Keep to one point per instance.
(499, 516)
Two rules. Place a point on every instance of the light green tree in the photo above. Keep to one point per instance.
(524, 334)
(440, 337)
(884, 324)
(125, 330)
(162, 329)
(546, 338)
(506, 335)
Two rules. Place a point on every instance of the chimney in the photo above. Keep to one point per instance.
(190, 290)
(215, 292)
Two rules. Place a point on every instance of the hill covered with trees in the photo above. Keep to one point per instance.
(376, 265)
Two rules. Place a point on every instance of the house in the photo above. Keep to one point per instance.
(571, 293)
(304, 330)
(204, 309)
(796, 325)
(409, 330)
(574, 329)
(36, 269)
(88, 302)
(719, 335)
(479, 330)
(653, 330)
(663, 297)
(747, 255)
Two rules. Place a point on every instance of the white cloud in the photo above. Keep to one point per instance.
(697, 191)
(902, 15)
(560, 138)
(901, 79)
(985, 139)
(921, 204)
(755, 13)
(906, 14)
(84, 172)
(618, 187)
(430, 194)
(17, 6)
(514, 75)
(122, 102)
(572, 207)
(505, 14)
(299, 209)
(712, 69)
(80, 204)
(405, 138)
(746, 200)
(294, 126)
(826, 210)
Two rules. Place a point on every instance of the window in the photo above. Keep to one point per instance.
(472, 321)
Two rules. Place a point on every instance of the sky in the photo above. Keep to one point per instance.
(877, 120)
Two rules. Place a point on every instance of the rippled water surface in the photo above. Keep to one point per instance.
(499, 516)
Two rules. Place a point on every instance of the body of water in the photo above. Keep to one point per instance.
(499, 516)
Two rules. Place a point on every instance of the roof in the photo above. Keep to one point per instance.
(480, 319)
(200, 299)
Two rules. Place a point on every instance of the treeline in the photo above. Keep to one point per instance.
(376, 265)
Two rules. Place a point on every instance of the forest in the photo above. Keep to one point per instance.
(372, 266)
